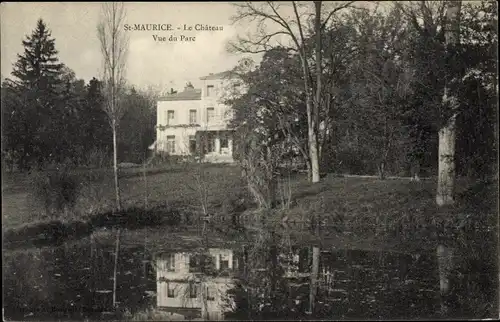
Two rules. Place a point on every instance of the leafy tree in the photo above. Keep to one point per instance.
(37, 85)
(425, 55)
(270, 121)
(477, 144)
(13, 128)
(96, 126)
(338, 45)
(49, 114)
(379, 84)
(137, 127)
(294, 30)
(90, 129)
(449, 106)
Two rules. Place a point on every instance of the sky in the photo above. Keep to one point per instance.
(150, 63)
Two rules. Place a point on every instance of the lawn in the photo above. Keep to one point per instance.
(359, 205)
(170, 186)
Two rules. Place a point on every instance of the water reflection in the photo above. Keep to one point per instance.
(247, 284)
(74, 281)
(263, 279)
(195, 284)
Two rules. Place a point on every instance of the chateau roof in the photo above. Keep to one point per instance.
(188, 94)
(220, 75)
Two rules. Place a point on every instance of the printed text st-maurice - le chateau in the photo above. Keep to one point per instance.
(170, 27)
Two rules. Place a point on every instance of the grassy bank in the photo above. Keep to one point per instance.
(168, 186)
(345, 207)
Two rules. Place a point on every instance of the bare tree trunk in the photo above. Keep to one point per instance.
(115, 168)
(114, 46)
(314, 279)
(313, 127)
(115, 269)
(446, 171)
(311, 106)
(313, 155)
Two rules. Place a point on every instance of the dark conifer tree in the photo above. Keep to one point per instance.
(38, 80)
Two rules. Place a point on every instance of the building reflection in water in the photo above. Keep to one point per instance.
(194, 285)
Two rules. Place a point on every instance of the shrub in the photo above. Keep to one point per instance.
(98, 158)
(55, 191)
(92, 196)
(163, 158)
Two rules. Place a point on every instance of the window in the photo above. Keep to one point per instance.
(193, 290)
(224, 144)
(210, 114)
(224, 262)
(192, 144)
(170, 263)
(171, 144)
(192, 116)
(210, 294)
(170, 117)
(210, 90)
(170, 290)
(210, 142)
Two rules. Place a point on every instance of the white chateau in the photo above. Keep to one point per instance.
(194, 122)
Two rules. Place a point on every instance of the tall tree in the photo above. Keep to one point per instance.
(39, 68)
(114, 47)
(425, 55)
(450, 104)
(294, 26)
(95, 127)
(447, 137)
(270, 120)
(37, 84)
(477, 142)
(313, 116)
(14, 136)
(137, 127)
(379, 84)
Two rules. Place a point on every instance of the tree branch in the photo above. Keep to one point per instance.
(344, 6)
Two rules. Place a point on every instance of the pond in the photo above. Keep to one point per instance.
(265, 278)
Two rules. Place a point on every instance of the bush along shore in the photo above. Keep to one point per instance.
(56, 232)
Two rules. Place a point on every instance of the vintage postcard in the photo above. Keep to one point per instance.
(297, 160)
